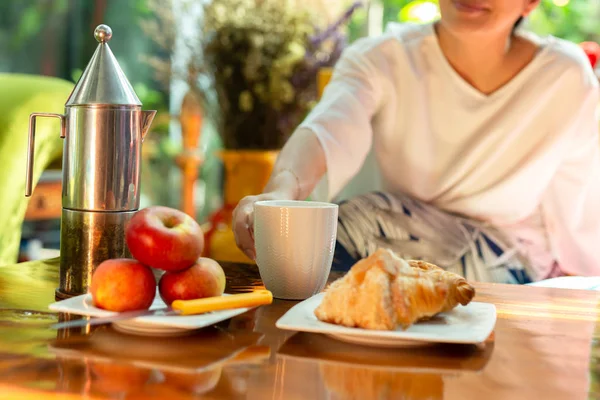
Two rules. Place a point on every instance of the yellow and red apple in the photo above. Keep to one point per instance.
(123, 284)
(164, 238)
(205, 278)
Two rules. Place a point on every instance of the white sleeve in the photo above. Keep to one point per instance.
(342, 118)
(572, 202)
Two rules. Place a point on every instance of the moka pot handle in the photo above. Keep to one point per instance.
(31, 145)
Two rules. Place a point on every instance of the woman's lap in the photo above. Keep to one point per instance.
(416, 230)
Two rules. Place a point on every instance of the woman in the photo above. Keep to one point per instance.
(486, 139)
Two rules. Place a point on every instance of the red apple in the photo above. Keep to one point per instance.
(164, 238)
(203, 279)
(123, 284)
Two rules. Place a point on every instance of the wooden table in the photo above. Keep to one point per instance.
(542, 349)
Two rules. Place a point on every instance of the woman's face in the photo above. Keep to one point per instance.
(484, 16)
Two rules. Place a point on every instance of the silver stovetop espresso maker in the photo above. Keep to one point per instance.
(103, 129)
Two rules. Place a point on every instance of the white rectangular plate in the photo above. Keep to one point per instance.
(470, 324)
(83, 305)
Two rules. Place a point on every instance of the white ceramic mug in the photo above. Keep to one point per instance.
(294, 241)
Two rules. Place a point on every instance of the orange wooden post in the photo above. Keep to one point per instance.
(189, 161)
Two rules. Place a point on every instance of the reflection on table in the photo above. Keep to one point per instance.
(541, 348)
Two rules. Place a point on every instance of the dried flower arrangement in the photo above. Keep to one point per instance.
(255, 63)
(262, 57)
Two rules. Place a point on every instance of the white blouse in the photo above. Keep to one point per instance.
(525, 158)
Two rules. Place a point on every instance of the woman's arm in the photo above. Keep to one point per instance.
(336, 136)
(299, 167)
(571, 204)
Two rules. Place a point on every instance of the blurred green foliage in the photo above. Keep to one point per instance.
(574, 20)
(577, 21)
(55, 38)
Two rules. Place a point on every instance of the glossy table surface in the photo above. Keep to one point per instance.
(543, 347)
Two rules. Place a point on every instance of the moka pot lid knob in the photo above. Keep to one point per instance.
(103, 82)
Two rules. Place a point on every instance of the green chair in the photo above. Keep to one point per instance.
(21, 95)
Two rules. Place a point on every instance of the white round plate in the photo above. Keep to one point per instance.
(124, 327)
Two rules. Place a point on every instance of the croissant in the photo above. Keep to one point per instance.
(461, 292)
(419, 298)
(384, 291)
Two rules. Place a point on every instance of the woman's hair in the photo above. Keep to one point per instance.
(517, 24)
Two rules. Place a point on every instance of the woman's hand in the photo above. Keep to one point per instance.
(243, 221)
